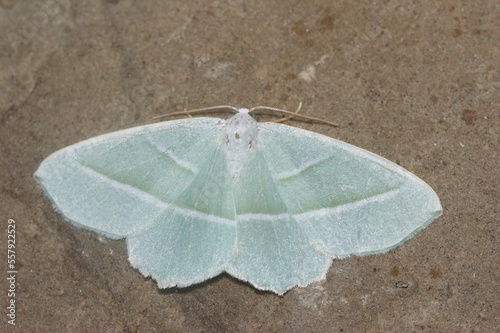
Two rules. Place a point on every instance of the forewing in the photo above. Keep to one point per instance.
(119, 183)
(346, 199)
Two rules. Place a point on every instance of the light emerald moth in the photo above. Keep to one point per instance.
(268, 203)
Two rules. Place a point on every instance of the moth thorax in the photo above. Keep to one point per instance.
(241, 136)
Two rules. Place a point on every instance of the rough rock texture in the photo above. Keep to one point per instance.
(416, 82)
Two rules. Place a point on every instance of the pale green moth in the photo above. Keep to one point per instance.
(267, 203)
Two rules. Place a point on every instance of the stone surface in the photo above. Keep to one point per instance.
(417, 83)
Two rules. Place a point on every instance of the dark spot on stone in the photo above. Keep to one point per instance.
(283, 97)
(469, 116)
(300, 28)
(456, 32)
(394, 271)
(434, 99)
(435, 273)
(326, 22)
(11, 113)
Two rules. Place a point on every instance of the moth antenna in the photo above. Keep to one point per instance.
(218, 108)
(291, 115)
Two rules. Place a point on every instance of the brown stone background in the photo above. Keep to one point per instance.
(414, 81)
